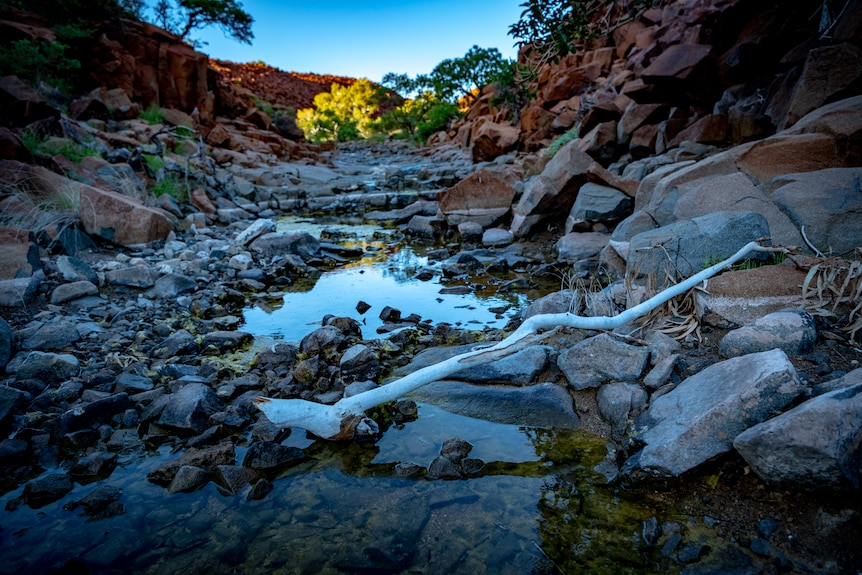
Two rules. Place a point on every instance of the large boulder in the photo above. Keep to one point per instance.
(482, 198)
(602, 359)
(682, 249)
(702, 416)
(290, 242)
(493, 140)
(817, 444)
(121, 219)
(19, 255)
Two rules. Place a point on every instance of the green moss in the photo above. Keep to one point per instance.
(152, 115)
(562, 140)
(171, 186)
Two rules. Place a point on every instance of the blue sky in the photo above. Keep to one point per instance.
(366, 39)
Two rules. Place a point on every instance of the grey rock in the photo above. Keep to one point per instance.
(817, 444)
(322, 340)
(661, 372)
(132, 384)
(170, 286)
(70, 291)
(255, 230)
(470, 231)
(791, 330)
(617, 402)
(684, 248)
(73, 270)
(19, 292)
(226, 341)
(56, 334)
(557, 302)
(235, 477)
(443, 468)
(93, 465)
(268, 455)
(597, 203)
(456, 449)
(290, 242)
(133, 276)
(600, 359)
(701, 417)
(92, 414)
(188, 478)
(541, 405)
(358, 387)
(181, 342)
(521, 368)
(495, 237)
(47, 488)
(577, 246)
(100, 499)
(424, 226)
(7, 342)
(10, 400)
(260, 490)
(48, 367)
(190, 408)
(208, 458)
(846, 380)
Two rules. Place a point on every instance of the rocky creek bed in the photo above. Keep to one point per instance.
(132, 443)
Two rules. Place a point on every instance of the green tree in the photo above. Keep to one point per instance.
(344, 113)
(418, 118)
(457, 78)
(181, 17)
(553, 28)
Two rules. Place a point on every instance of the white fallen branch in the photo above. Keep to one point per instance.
(345, 418)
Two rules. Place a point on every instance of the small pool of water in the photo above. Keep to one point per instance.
(385, 276)
(534, 508)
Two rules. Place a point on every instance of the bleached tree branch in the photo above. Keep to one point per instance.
(344, 419)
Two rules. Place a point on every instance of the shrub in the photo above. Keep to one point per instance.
(152, 115)
(171, 186)
(56, 146)
(37, 62)
(344, 113)
(562, 140)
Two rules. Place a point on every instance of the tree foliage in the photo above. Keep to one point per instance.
(181, 17)
(344, 113)
(553, 28)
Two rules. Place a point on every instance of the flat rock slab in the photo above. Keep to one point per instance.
(790, 330)
(816, 445)
(702, 416)
(601, 359)
(541, 405)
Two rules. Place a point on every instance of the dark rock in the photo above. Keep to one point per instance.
(362, 307)
(133, 276)
(455, 449)
(540, 405)
(691, 552)
(521, 368)
(324, 340)
(290, 242)
(96, 464)
(814, 445)
(48, 367)
(267, 455)
(10, 400)
(13, 452)
(92, 414)
(172, 285)
(617, 402)
(602, 358)
(235, 477)
(188, 478)
(390, 315)
(701, 417)
(181, 342)
(443, 468)
(132, 384)
(226, 341)
(46, 488)
(260, 490)
(791, 330)
(408, 470)
(7, 343)
(100, 500)
(57, 334)
(71, 291)
(208, 458)
(189, 409)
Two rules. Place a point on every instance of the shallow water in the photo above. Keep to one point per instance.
(384, 276)
(534, 508)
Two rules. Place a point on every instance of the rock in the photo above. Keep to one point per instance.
(55, 334)
(7, 343)
(121, 219)
(92, 465)
(791, 330)
(359, 362)
(260, 490)
(132, 384)
(497, 237)
(456, 449)
(188, 478)
(826, 202)
(19, 254)
(100, 500)
(254, 231)
(711, 130)
(235, 477)
(208, 458)
(687, 246)
(596, 203)
(133, 276)
(827, 72)
(290, 242)
(470, 231)
(815, 445)
(424, 226)
(676, 62)
(266, 455)
(46, 488)
(10, 400)
(481, 198)
(12, 147)
(576, 246)
(540, 405)
(701, 417)
(557, 302)
(171, 285)
(600, 359)
(492, 140)
(324, 340)
(48, 367)
(617, 402)
(92, 414)
(21, 104)
(521, 368)
(189, 409)
(74, 270)
(443, 468)
(181, 342)
(225, 341)
(67, 292)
